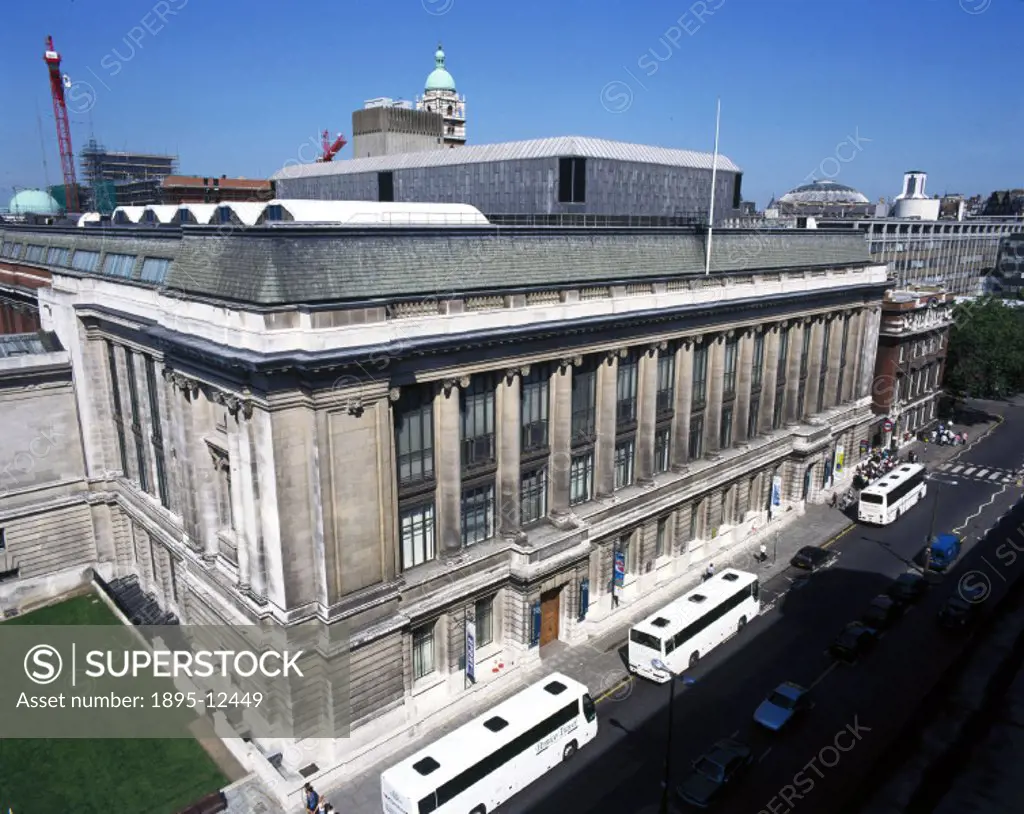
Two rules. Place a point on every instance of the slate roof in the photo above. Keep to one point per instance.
(26, 344)
(281, 266)
(559, 147)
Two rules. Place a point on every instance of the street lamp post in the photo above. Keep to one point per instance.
(660, 666)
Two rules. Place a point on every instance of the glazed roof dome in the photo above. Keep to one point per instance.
(823, 192)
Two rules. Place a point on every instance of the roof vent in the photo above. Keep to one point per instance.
(555, 687)
(426, 766)
(698, 598)
(496, 724)
(661, 621)
(730, 577)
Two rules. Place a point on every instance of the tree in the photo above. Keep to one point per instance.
(986, 350)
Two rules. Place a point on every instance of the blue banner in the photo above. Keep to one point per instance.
(471, 651)
(620, 568)
(777, 491)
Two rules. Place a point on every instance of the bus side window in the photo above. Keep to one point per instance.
(589, 710)
(670, 645)
(755, 589)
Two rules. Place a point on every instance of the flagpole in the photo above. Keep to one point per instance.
(714, 177)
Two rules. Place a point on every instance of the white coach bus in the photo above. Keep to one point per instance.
(693, 625)
(479, 766)
(892, 494)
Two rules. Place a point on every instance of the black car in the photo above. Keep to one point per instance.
(881, 613)
(712, 772)
(855, 640)
(811, 558)
(961, 610)
(908, 588)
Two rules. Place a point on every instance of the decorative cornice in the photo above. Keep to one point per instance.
(394, 394)
(570, 361)
(447, 385)
(512, 372)
(235, 404)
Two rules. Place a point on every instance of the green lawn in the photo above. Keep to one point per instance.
(105, 775)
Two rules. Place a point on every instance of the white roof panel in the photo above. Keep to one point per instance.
(561, 146)
(133, 213)
(361, 213)
(682, 611)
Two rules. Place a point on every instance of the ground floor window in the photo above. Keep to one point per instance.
(661, 540)
(423, 651)
(484, 621)
(417, 529)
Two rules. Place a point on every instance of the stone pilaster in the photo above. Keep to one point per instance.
(560, 408)
(208, 478)
(771, 373)
(796, 346)
(237, 467)
(509, 427)
(713, 412)
(835, 354)
(449, 464)
(647, 412)
(853, 356)
(604, 448)
(745, 354)
(683, 396)
(814, 366)
(272, 561)
(252, 528)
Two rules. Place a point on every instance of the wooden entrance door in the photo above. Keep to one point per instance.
(549, 613)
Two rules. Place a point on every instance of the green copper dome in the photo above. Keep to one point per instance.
(439, 78)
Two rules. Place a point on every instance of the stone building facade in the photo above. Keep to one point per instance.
(404, 429)
(912, 346)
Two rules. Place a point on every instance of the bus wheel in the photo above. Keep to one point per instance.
(479, 810)
(569, 750)
(694, 658)
(742, 624)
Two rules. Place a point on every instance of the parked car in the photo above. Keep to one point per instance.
(943, 552)
(881, 613)
(856, 640)
(961, 609)
(712, 772)
(784, 703)
(812, 558)
(908, 588)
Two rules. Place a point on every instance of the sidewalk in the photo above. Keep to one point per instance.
(597, 662)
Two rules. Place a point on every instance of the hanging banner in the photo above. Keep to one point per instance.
(471, 651)
(840, 456)
(620, 568)
(777, 490)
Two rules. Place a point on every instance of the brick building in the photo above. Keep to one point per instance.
(913, 340)
(179, 189)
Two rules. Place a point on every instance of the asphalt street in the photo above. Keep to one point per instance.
(814, 766)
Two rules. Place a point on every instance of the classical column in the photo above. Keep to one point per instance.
(796, 346)
(184, 488)
(237, 467)
(770, 378)
(242, 412)
(683, 395)
(745, 354)
(604, 448)
(814, 366)
(868, 351)
(716, 375)
(508, 407)
(208, 478)
(449, 464)
(647, 412)
(560, 407)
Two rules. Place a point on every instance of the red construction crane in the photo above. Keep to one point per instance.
(331, 149)
(60, 114)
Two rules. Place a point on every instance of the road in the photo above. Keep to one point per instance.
(802, 769)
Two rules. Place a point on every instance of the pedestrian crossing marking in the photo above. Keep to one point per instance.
(957, 468)
(982, 473)
(969, 471)
(995, 475)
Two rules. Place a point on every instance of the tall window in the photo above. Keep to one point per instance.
(725, 431)
(662, 441)
(757, 363)
(423, 651)
(477, 514)
(133, 398)
(729, 378)
(534, 410)
(624, 464)
(122, 449)
(477, 417)
(661, 540)
(533, 495)
(417, 528)
(581, 478)
(484, 615)
(783, 355)
(843, 348)
(666, 382)
(700, 377)
(805, 351)
(752, 417)
(625, 397)
(696, 440)
(584, 389)
(572, 180)
(158, 442)
(414, 437)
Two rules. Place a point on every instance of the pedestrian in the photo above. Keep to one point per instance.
(835, 499)
(709, 571)
(764, 552)
(326, 808)
(312, 799)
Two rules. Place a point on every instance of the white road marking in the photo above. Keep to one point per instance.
(981, 473)
(821, 678)
(958, 467)
(735, 734)
(969, 471)
(766, 751)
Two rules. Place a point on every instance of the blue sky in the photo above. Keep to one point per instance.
(855, 91)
